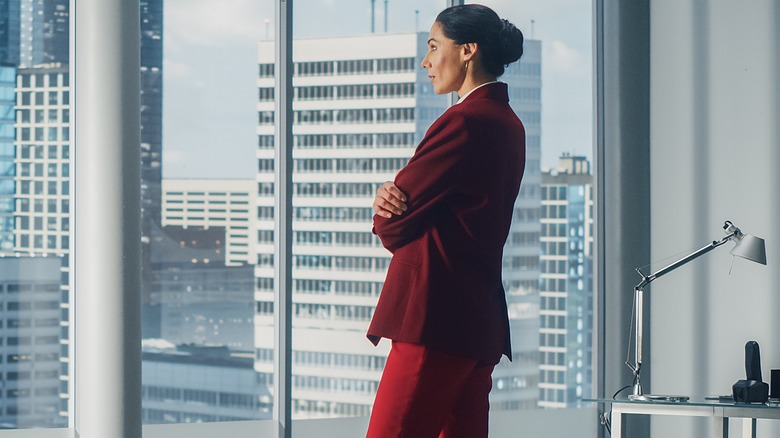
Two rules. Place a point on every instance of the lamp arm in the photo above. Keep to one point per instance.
(647, 279)
(636, 366)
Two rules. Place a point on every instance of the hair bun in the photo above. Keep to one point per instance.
(510, 42)
(499, 40)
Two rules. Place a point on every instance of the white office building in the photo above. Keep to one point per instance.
(42, 161)
(359, 112)
(566, 296)
(209, 203)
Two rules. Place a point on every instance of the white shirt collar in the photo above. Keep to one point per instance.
(472, 90)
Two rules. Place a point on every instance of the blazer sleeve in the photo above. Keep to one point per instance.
(436, 170)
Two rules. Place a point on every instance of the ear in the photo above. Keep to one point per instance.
(468, 51)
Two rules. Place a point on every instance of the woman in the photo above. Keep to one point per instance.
(446, 218)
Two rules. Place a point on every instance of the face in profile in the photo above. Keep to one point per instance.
(446, 68)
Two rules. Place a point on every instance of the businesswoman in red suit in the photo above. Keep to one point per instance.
(446, 218)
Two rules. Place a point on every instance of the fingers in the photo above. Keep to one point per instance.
(389, 200)
(394, 191)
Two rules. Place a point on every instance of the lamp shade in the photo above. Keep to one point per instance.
(750, 247)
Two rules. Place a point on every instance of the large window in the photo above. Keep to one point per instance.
(207, 153)
(361, 103)
(208, 221)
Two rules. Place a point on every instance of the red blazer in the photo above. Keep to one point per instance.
(443, 287)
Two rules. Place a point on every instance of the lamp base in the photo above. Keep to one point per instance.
(661, 398)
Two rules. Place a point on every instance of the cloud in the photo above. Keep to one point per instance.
(562, 59)
(214, 23)
(175, 69)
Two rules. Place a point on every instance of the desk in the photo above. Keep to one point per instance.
(719, 412)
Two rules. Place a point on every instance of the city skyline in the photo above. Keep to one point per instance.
(210, 70)
(362, 103)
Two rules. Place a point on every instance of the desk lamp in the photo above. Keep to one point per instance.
(747, 246)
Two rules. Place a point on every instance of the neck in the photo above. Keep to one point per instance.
(473, 81)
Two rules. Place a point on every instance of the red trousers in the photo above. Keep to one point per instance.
(425, 393)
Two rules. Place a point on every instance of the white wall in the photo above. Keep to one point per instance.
(715, 153)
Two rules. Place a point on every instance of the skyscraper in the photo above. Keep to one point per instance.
(44, 32)
(359, 113)
(566, 298)
(9, 32)
(150, 149)
(43, 162)
(7, 149)
(151, 112)
(515, 384)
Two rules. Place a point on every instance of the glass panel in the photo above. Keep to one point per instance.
(203, 361)
(34, 266)
(362, 103)
(548, 260)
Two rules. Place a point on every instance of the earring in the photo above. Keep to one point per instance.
(466, 67)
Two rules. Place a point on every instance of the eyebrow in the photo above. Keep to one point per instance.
(432, 39)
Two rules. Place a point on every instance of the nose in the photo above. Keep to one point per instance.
(424, 63)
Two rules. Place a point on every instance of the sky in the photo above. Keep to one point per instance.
(210, 70)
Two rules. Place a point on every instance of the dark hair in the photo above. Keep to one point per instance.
(500, 42)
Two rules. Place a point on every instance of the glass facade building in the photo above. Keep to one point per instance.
(9, 32)
(7, 148)
(150, 151)
(44, 32)
(566, 296)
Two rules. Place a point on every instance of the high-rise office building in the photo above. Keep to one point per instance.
(359, 113)
(566, 296)
(10, 17)
(7, 148)
(150, 152)
(30, 367)
(151, 113)
(42, 161)
(44, 32)
(515, 384)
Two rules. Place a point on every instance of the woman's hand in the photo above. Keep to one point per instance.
(389, 200)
